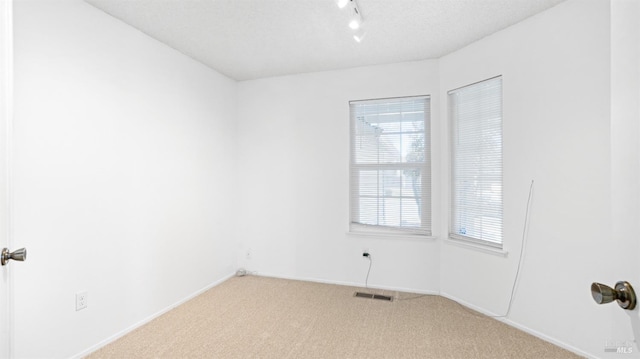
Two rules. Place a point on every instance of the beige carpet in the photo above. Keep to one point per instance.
(258, 317)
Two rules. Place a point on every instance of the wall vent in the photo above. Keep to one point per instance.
(373, 296)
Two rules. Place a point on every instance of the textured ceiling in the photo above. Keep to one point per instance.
(249, 39)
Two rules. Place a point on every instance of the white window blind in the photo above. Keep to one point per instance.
(390, 165)
(475, 112)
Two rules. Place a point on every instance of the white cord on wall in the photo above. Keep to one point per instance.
(522, 247)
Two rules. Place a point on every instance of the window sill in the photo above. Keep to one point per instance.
(414, 237)
(476, 247)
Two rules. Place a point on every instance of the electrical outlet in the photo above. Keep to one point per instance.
(248, 254)
(81, 300)
(365, 252)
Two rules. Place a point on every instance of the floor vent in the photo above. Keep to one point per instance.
(373, 296)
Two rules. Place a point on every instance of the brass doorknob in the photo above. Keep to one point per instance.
(623, 293)
(17, 255)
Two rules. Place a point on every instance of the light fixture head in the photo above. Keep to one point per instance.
(355, 23)
(342, 3)
(359, 35)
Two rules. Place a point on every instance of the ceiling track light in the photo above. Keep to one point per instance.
(355, 18)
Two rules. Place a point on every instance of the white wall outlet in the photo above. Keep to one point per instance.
(81, 300)
(248, 254)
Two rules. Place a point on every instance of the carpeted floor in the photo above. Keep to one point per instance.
(259, 317)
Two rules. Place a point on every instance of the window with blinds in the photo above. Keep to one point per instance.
(475, 112)
(390, 165)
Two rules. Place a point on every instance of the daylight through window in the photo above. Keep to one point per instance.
(390, 165)
(475, 112)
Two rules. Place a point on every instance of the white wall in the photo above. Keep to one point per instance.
(556, 84)
(124, 170)
(294, 182)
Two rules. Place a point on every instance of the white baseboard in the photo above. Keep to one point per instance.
(148, 319)
(519, 326)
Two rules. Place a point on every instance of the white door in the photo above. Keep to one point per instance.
(623, 263)
(6, 53)
(5, 114)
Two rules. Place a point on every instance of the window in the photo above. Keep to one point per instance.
(390, 165)
(475, 112)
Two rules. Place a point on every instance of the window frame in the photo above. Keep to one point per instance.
(425, 228)
(453, 125)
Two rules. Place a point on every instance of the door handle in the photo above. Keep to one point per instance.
(17, 255)
(623, 293)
